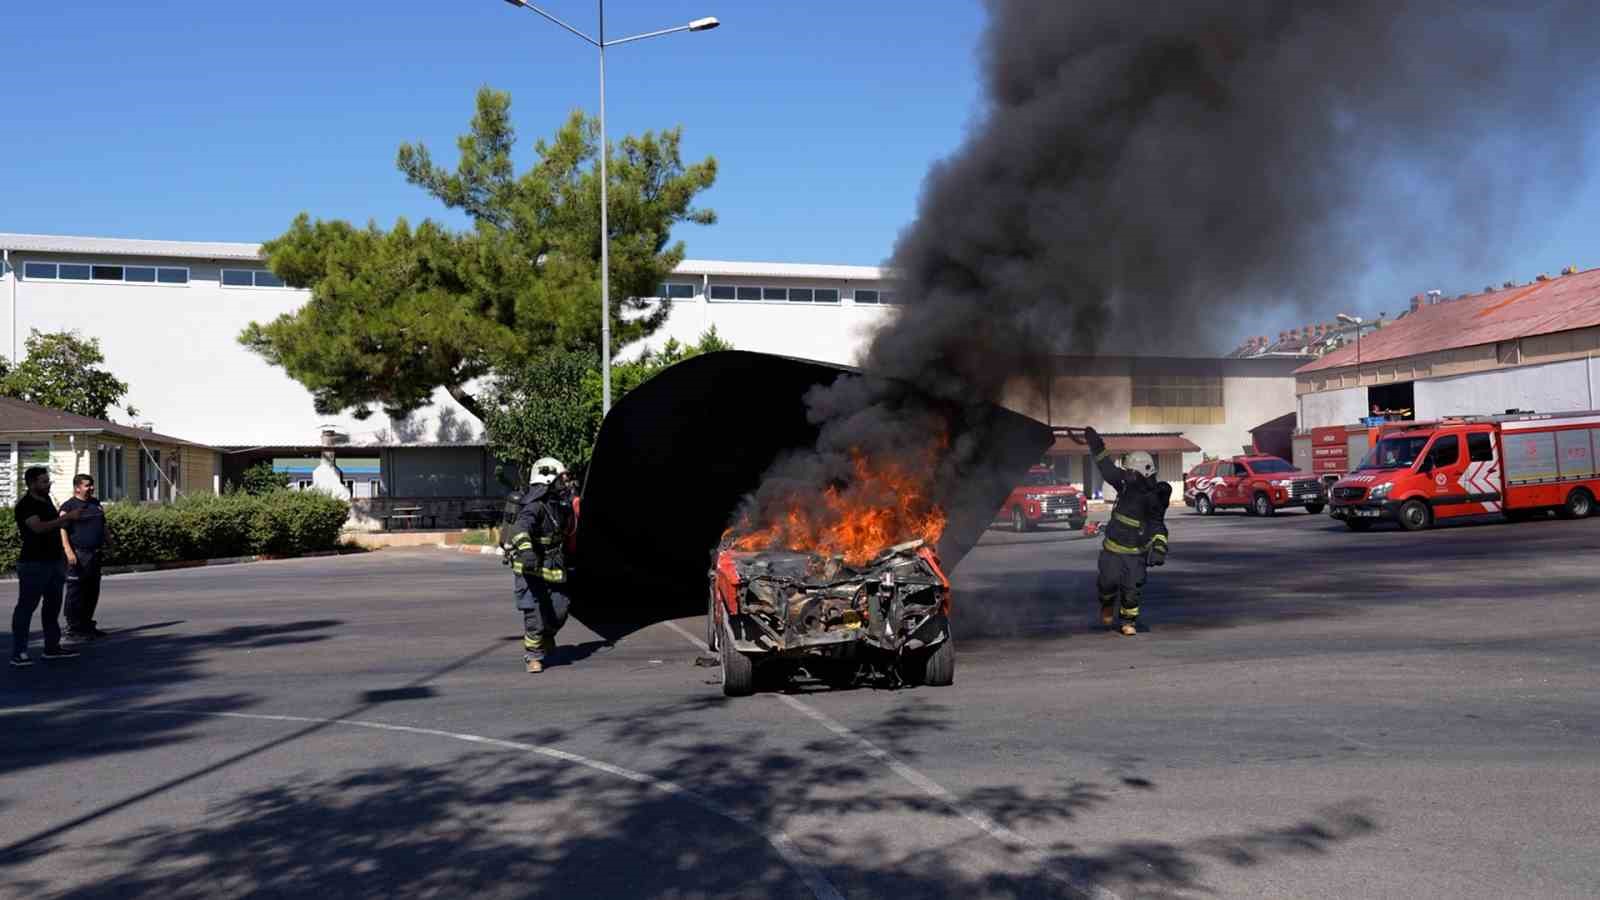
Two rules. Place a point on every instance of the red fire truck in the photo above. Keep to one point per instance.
(1513, 465)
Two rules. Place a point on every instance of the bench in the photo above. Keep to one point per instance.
(412, 516)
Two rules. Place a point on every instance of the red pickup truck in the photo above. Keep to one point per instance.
(1262, 485)
(1042, 498)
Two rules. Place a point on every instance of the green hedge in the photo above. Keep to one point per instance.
(280, 523)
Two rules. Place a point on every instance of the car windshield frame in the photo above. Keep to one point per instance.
(1040, 479)
(1269, 466)
(1404, 451)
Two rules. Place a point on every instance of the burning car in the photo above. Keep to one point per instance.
(780, 610)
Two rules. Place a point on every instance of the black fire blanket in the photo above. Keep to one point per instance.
(675, 456)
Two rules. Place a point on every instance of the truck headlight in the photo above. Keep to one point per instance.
(1381, 491)
(1283, 482)
(1034, 497)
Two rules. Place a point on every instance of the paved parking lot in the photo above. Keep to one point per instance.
(1311, 713)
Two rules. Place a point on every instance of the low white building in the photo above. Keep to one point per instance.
(168, 315)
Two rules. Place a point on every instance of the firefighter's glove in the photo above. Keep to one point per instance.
(1158, 552)
(1096, 445)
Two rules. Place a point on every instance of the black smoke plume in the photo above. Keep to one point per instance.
(1142, 173)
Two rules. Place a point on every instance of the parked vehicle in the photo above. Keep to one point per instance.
(1511, 465)
(1042, 498)
(1261, 485)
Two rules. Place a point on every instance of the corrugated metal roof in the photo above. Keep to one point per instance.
(1543, 307)
(21, 417)
(101, 246)
(98, 246)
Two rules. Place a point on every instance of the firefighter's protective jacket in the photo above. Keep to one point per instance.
(539, 535)
(1139, 519)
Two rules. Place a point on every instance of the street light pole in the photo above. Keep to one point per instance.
(600, 44)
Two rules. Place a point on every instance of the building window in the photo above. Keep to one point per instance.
(748, 293)
(105, 273)
(260, 278)
(865, 296)
(675, 290)
(766, 294)
(827, 295)
(150, 476)
(723, 292)
(109, 472)
(800, 295)
(1177, 400)
(30, 454)
(778, 294)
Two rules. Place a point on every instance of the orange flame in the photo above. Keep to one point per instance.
(884, 504)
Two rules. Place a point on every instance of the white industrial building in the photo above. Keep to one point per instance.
(168, 314)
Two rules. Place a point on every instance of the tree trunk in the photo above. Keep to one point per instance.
(466, 401)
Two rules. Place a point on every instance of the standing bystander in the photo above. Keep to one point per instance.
(41, 569)
(83, 541)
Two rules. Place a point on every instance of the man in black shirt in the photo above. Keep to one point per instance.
(41, 568)
(83, 540)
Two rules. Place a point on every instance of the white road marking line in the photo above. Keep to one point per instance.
(930, 787)
(780, 842)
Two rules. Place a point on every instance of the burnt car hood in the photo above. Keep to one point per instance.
(675, 456)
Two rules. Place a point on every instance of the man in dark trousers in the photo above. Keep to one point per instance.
(538, 552)
(83, 542)
(1136, 535)
(41, 568)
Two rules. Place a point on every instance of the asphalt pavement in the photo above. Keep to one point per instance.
(1308, 712)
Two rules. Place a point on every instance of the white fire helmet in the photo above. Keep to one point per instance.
(1141, 462)
(546, 470)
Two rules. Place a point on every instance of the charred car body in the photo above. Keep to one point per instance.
(774, 611)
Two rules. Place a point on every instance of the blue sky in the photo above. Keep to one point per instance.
(221, 121)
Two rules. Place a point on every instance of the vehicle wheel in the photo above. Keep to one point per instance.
(1314, 508)
(1358, 524)
(1202, 505)
(1261, 505)
(939, 666)
(1076, 524)
(1579, 505)
(1415, 515)
(1019, 522)
(738, 672)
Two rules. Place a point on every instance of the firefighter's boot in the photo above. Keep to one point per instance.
(1128, 629)
(1107, 615)
(535, 666)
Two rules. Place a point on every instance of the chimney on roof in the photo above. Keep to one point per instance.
(1435, 296)
(1570, 270)
(1416, 303)
(145, 425)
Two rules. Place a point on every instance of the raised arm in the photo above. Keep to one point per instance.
(1109, 471)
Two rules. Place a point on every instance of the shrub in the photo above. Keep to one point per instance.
(279, 523)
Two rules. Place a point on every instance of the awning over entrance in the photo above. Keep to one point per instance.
(1165, 442)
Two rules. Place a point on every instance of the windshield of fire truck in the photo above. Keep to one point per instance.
(1041, 479)
(1394, 453)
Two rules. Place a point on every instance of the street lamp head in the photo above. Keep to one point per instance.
(1349, 319)
(706, 24)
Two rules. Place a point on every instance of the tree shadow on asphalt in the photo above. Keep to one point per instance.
(128, 671)
(520, 823)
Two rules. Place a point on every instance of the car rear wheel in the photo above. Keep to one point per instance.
(1358, 524)
(1579, 505)
(711, 619)
(938, 666)
(738, 672)
(1019, 522)
(1415, 515)
(1202, 505)
(1261, 505)
(1314, 508)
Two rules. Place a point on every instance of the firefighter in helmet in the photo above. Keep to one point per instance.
(537, 551)
(1136, 536)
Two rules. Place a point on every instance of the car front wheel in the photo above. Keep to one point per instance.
(1203, 506)
(1262, 505)
(1314, 508)
(1579, 505)
(1415, 515)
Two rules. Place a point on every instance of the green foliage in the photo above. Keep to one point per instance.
(397, 314)
(61, 371)
(551, 406)
(260, 479)
(203, 526)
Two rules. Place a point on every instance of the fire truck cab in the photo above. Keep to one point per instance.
(1514, 465)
